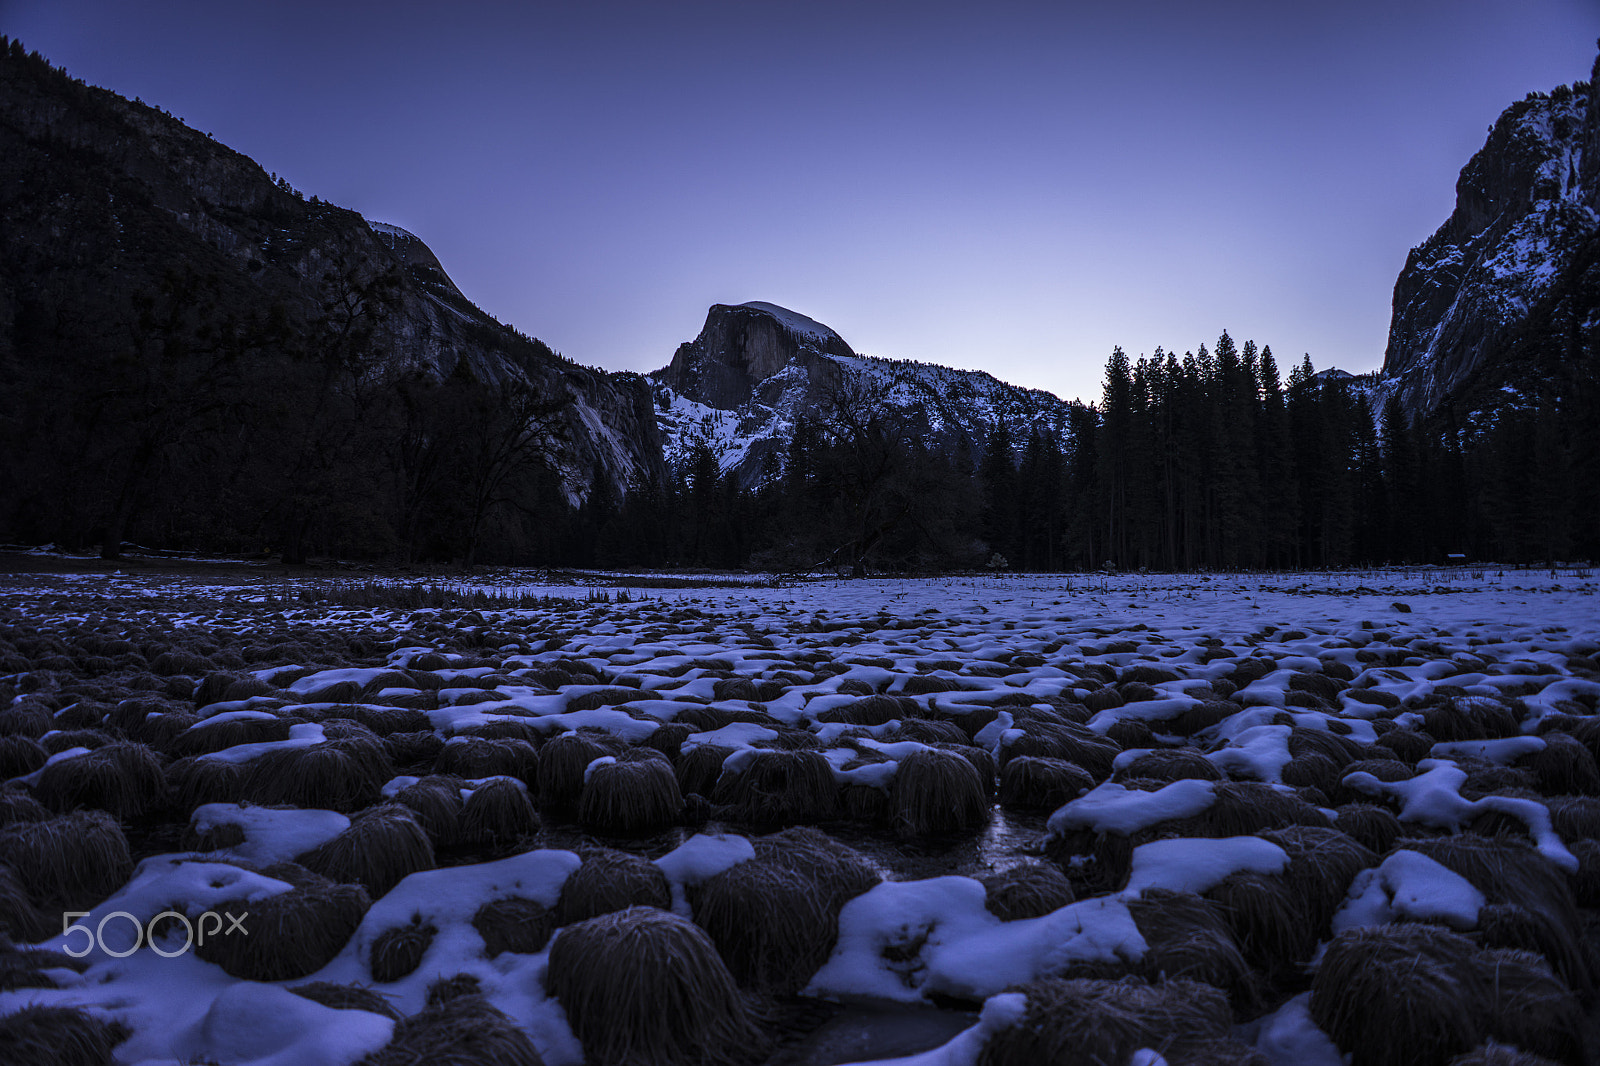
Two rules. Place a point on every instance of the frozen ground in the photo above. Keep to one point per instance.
(1463, 695)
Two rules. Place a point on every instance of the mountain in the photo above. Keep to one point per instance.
(1503, 302)
(756, 370)
(103, 199)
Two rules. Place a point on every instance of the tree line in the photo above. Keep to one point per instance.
(1205, 461)
(178, 423)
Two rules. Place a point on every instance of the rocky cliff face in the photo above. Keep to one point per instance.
(1504, 298)
(757, 369)
(101, 197)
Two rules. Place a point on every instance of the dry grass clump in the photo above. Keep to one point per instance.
(397, 952)
(611, 881)
(561, 765)
(1322, 863)
(381, 848)
(771, 923)
(1586, 880)
(464, 1030)
(20, 755)
(123, 778)
(1030, 889)
(19, 806)
(1171, 764)
(1073, 743)
(64, 739)
(1202, 715)
(498, 814)
(864, 803)
(58, 1036)
(69, 863)
(197, 780)
(1185, 936)
(1268, 920)
(1242, 808)
(779, 788)
(1407, 745)
(643, 987)
(1080, 1022)
(25, 721)
(513, 924)
(292, 934)
(1509, 871)
(838, 870)
(630, 797)
(606, 697)
(1312, 770)
(698, 767)
(1383, 769)
(1401, 995)
(471, 758)
(417, 750)
(176, 662)
(336, 775)
(348, 997)
(436, 802)
(1575, 817)
(1036, 783)
(931, 731)
(1375, 828)
(1564, 767)
(206, 736)
(871, 710)
(937, 792)
(20, 920)
(668, 739)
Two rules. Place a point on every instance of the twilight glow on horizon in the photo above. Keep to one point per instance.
(1010, 187)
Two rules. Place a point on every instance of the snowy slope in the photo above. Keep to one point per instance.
(757, 369)
(1516, 253)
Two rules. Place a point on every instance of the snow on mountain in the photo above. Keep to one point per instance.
(1479, 303)
(757, 369)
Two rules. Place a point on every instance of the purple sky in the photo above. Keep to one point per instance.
(1013, 187)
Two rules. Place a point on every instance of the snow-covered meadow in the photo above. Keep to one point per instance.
(1200, 816)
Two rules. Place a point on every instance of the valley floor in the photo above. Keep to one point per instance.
(1246, 818)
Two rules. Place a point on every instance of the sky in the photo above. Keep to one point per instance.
(1008, 186)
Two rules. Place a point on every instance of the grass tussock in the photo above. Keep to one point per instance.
(1028, 890)
(1374, 828)
(337, 775)
(779, 788)
(463, 1030)
(1401, 995)
(292, 934)
(630, 797)
(397, 952)
(349, 997)
(1187, 937)
(513, 924)
(473, 758)
(1079, 1022)
(1171, 764)
(497, 815)
(643, 987)
(611, 881)
(123, 778)
(68, 863)
(562, 762)
(937, 792)
(381, 848)
(436, 802)
(1032, 782)
(58, 1036)
(770, 923)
